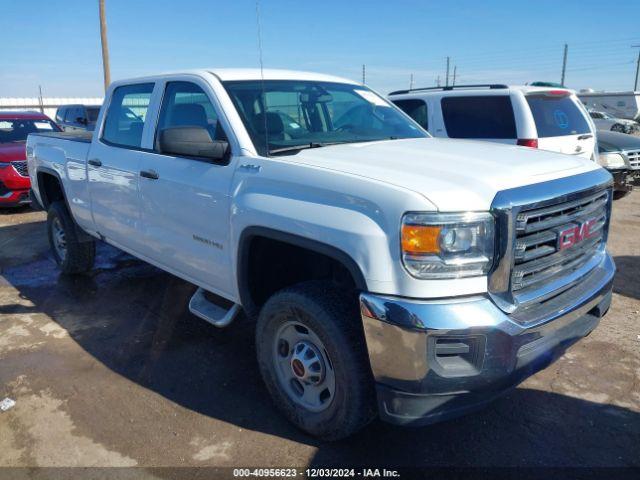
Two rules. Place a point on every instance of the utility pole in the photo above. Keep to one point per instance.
(364, 74)
(455, 70)
(40, 101)
(438, 81)
(411, 82)
(105, 47)
(635, 84)
(446, 82)
(564, 63)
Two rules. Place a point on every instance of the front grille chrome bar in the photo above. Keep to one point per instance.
(534, 260)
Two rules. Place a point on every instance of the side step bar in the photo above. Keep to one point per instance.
(212, 313)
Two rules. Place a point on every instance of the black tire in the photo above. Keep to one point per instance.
(80, 255)
(618, 128)
(334, 318)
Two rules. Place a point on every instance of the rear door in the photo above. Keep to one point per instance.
(113, 166)
(480, 117)
(562, 123)
(185, 201)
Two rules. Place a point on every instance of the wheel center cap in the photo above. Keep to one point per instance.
(298, 368)
(306, 363)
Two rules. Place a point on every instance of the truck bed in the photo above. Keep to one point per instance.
(84, 136)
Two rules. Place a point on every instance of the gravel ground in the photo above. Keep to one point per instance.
(111, 370)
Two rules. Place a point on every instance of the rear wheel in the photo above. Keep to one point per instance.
(313, 360)
(618, 128)
(71, 254)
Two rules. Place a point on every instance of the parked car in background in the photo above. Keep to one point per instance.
(389, 272)
(618, 104)
(77, 117)
(14, 178)
(606, 121)
(620, 154)
(545, 118)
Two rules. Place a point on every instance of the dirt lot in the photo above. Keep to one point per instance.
(110, 369)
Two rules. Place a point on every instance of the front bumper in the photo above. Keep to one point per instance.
(623, 180)
(439, 359)
(14, 188)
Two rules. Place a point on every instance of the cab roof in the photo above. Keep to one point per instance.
(236, 74)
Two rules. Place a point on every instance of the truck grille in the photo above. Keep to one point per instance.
(634, 159)
(553, 241)
(21, 167)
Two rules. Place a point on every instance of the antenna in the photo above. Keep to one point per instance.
(264, 96)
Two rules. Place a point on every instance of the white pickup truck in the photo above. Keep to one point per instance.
(389, 273)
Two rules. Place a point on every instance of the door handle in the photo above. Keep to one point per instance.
(150, 174)
(95, 162)
(585, 137)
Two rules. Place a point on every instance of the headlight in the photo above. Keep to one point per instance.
(447, 245)
(612, 160)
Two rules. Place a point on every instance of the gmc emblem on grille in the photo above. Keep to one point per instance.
(574, 234)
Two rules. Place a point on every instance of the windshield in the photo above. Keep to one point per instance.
(309, 114)
(16, 129)
(92, 114)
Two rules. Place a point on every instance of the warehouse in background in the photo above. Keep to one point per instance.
(46, 105)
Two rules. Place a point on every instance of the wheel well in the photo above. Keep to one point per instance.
(50, 189)
(269, 264)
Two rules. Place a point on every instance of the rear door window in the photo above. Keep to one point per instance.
(416, 109)
(125, 118)
(557, 116)
(489, 116)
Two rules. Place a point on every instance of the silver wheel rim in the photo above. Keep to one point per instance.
(303, 367)
(59, 239)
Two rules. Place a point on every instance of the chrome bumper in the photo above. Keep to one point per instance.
(438, 359)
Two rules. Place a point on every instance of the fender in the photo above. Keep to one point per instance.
(256, 231)
(45, 202)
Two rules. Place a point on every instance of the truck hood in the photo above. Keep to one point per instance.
(10, 152)
(615, 142)
(454, 175)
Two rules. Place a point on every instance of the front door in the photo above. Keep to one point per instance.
(185, 201)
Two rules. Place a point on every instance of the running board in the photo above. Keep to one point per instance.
(212, 313)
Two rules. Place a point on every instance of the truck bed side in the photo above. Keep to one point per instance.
(58, 170)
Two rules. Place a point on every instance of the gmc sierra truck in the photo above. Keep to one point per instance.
(389, 273)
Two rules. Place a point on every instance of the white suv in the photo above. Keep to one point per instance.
(546, 118)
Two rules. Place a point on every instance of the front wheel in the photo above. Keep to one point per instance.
(71, 254)
(313, 360)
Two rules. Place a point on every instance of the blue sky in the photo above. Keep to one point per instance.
(56, 43)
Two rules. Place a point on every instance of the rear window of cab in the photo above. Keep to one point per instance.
(557, 116)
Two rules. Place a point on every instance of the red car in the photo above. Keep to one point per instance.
(14, 177)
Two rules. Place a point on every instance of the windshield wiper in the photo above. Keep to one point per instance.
(305, 146)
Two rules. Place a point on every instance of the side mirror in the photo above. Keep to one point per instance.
(81, 120)
(192, 142)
